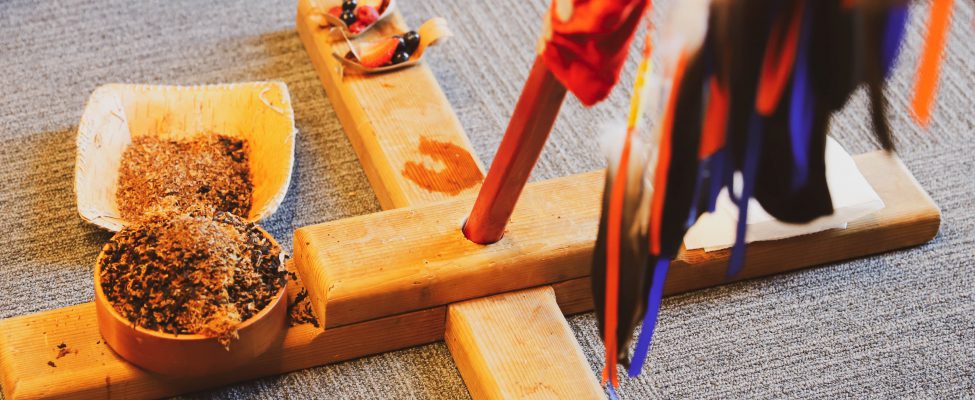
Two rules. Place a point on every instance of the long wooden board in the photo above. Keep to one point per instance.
(404, 260)
(518, 346)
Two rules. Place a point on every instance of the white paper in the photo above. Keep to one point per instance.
(852, 195)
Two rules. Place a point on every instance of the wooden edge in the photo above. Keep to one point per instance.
(518, 345)
(90, 370)
(402, 260)
(394, 261)
(388, 116)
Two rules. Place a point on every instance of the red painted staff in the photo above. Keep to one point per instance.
(584, 45)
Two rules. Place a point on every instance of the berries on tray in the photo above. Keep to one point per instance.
(393, 52)
(357, 18)
(367, 15)
(381, 53)
(347, 16)
(400, 57)
(412, 40)
(390, 51)
(358, 27)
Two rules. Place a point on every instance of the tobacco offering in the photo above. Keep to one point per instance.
(192, 273)
(208, 172)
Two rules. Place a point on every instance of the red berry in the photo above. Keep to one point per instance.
(335, 11)
(367, 14)
(358, 26)
(380, 53)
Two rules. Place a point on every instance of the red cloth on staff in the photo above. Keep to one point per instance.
(587, 51)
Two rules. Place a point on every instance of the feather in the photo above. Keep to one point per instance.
(631, 282)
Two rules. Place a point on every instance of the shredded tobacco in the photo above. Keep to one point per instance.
(209, 171)
(191, 273)
(301, 312)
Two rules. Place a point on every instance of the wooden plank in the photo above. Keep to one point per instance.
(403, 260)
(409, 141)
(518, 346)
(92, 371)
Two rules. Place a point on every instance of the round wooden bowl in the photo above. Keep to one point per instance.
(189, 355)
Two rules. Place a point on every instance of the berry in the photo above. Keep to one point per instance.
(335, 11)
(348, 17)
(380, 54)
(358, 27)
(400, 57)
(349, 5)
(367, 14)
(401, 48)
(412, 40)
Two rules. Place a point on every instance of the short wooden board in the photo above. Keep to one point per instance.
(518, 346)
(404, 260)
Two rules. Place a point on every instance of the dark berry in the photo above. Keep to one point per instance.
(400, 57)
(349, 5)
(412, 40)
(401, 47)
(348, 17)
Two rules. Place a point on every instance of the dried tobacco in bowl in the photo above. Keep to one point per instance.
(192, 273)
(208, 171)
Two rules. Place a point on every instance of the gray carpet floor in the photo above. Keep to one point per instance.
(900, 324)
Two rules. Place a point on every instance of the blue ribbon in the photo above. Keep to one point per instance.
(893, 35)
(801, 108)
(650, 317)
(753, 150)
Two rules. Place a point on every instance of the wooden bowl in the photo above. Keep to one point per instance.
(259, 113)
(189, 355)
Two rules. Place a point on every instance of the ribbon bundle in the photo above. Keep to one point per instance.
(748, 89)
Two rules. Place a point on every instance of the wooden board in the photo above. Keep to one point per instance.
(518, 346)
(409, 141)
(92, 371)
(409, 259)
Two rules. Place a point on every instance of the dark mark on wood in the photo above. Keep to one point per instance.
(460, 172)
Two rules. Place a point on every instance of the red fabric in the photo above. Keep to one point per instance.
(586, 53)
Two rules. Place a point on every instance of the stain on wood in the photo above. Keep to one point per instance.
(459, 171)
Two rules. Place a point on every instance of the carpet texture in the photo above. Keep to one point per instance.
(900, 324)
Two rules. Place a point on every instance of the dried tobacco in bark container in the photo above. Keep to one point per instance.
(192, 273)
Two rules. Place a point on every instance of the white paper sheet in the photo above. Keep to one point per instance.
(852, 195)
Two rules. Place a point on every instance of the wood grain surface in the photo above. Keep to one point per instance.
(518, 346)
(409, 259)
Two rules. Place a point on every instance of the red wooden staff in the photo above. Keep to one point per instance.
(585, 46)
(533, 118)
